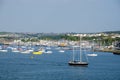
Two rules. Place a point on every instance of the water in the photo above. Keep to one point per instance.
(16, 66)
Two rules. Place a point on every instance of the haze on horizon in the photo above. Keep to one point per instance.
(59, 15)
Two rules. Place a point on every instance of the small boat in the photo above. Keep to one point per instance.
(37, 52)
(48, 47)
(92, 54)
(30, 50)
(3, 50)
(48, 52)
(62, 51)
(79, 62)
(15, 50)
(25, 52)
(116, 52)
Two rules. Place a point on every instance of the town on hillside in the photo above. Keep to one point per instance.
(103, 41)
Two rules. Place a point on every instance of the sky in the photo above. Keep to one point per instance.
(59, 16)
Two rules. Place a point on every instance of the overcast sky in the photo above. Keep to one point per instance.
(59, 15)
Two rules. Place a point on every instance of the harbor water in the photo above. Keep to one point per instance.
(18, 66)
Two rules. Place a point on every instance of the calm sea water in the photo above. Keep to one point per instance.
(17, 66)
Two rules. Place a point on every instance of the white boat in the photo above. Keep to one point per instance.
(30, 50)
(79, 61)
(15, 50)
(92, 54)
(62, 51)
(48, 47)
(26, 52)
(49, 52)
(57, 48)
(3, 50)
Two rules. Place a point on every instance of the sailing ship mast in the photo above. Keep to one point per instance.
(73, 54)
(80, 51)
(78, 62)
(93, 54)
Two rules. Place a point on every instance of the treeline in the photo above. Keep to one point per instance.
(104, 40)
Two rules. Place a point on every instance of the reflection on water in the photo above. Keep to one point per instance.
(16, 66)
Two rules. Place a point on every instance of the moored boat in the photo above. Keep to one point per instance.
(62, 51)
(37, 52)
(78, 62)
(92, 54)
(49, 52)
(3, 50)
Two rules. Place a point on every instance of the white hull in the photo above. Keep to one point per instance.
(15, 51)
(91, 54)
(26, 52)
(62, 51)
(49, 52)
(3, 51)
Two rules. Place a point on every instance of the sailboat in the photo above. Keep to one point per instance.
(3, 49)
(62, 51)
(79, 62)
(92, 54)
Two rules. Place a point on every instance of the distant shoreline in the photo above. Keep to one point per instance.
(110, 50)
